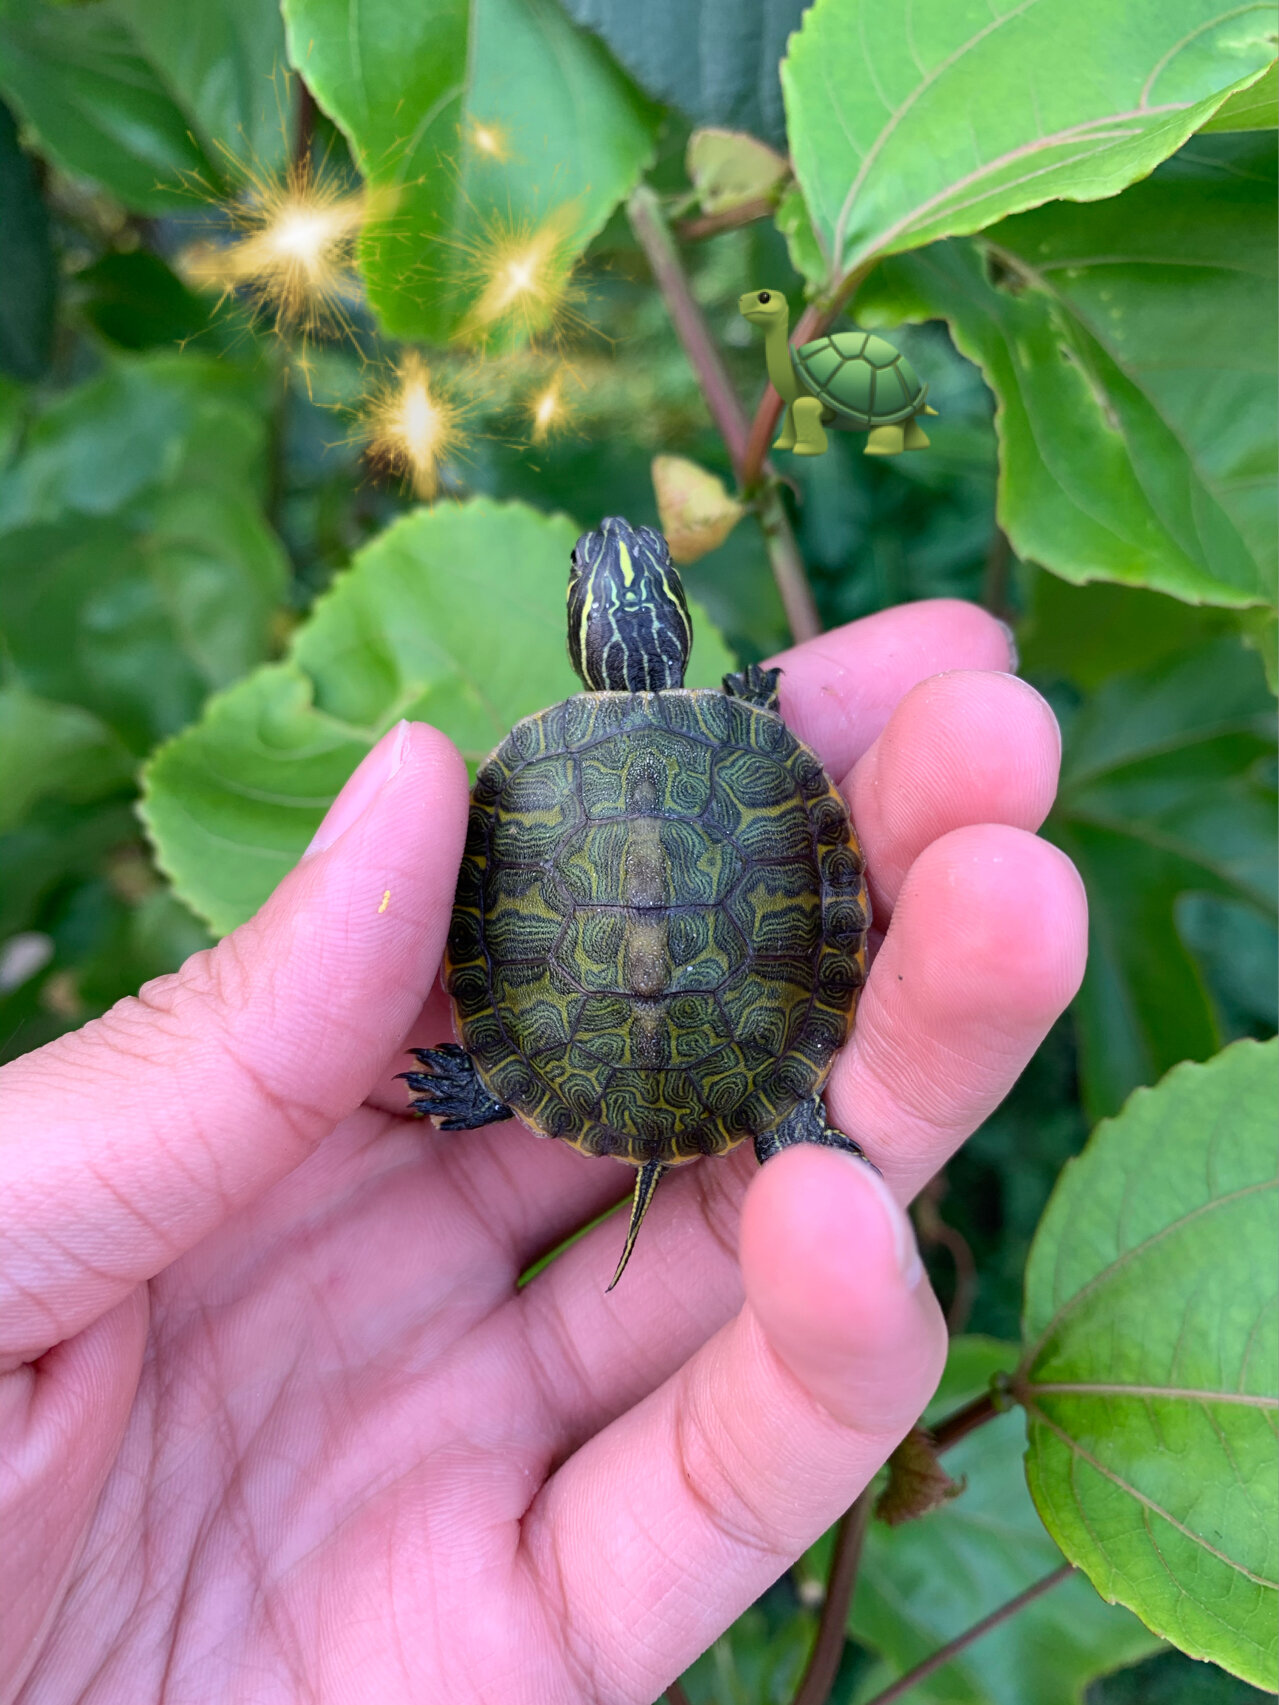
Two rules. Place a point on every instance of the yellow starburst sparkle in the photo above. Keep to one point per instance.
(548, 411)
(489, 140)
(520, 273)
(293, 254)
(411, 425)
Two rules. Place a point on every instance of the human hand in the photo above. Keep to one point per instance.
(276, 1422)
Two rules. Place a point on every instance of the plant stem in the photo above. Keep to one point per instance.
(995, 586)
(654, 237)
(823, 1662)
(675, 1695)
(961, 1642)
(305, 132)
(932, 1228)
(711, 224)
(787, 564)
(966, 1419)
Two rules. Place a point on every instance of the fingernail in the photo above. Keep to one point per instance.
(1014, 656)
(365, 783)
(905, 1249)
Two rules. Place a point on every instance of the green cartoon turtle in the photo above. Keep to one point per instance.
(846, 379)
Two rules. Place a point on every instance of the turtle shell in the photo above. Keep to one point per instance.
(660, 926)
(862, 377)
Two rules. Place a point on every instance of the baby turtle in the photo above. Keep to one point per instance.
(845, 379)
(659, 932)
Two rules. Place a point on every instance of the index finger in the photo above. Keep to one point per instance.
(840, 689)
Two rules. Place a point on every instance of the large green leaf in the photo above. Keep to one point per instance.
(224, 60)
(1150, 1377)
(453, 616)
(97, 105)
(717, 61)
(138, 625)
(49, 749)
(156, 422)
(1253, 108)
(1131, 346)
(912, 123)
(1167, 791)
(492, 135)
(30, 292)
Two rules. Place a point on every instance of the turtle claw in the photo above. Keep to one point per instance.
(450, 1093)
(807, 1124)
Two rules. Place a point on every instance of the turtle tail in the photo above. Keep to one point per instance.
(645, 1189)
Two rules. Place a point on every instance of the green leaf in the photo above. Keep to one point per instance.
(1131, 346)
(453, 616)
(923, 1583)
(1087, 634)
(907, 125)
(49, 749)
(156, 422)
(31, 276)
(139, 625)
(1167, 790)
(97, 106)
(730, 169)
(137, 301)
(523, 138)
(1253, 108)
(717, 61)
(224, 61)
(1150, 1376)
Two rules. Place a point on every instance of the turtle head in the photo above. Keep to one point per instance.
(628, 626)
(763, 307)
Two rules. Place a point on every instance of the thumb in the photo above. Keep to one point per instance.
(126, 1142)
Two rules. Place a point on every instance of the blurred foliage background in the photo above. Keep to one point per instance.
(198, 438)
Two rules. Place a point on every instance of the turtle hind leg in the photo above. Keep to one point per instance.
(786, 438)
(449, 1091)
(807, 1124)
(649, 1177)
(755, 685)
(810, 438)
(916, 437)
(886, 441)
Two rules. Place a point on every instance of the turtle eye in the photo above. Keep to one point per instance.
(765, 296)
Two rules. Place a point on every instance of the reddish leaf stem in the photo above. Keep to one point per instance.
(711, 224)
(904, 1683)
(654, 237)
(828, 1648)
(967, 1418)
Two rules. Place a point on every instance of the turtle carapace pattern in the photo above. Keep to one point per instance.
(852, 380)
(659, 932)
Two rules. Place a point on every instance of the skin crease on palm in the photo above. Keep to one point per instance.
(275, 1423)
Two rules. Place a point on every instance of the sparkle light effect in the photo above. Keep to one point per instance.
(490, 140)
(548, 410)
(522, 274)
(410, 426)
(294, 252)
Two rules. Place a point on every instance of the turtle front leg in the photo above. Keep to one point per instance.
(786, 441)
(755, 685)
(449, 1091)
(810, 438)
(807, 1124)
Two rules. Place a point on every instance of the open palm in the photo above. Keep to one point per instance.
(275, 1420)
